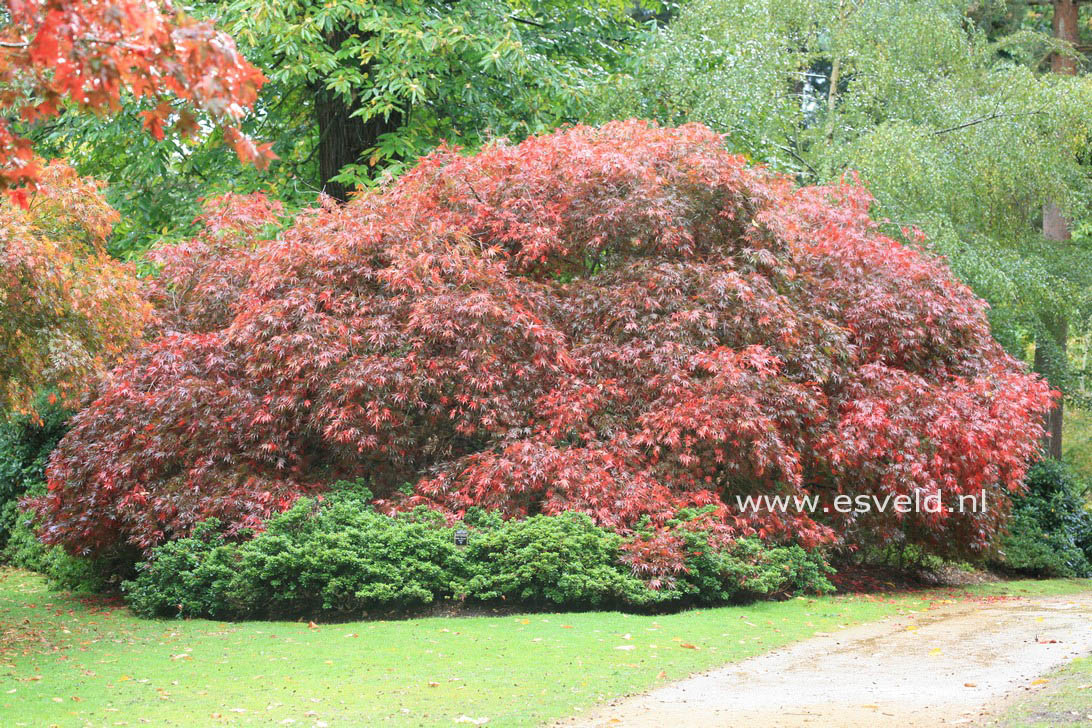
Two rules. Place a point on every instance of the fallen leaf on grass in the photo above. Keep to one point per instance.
(688, 646)
(1040, 681)
(970, 685)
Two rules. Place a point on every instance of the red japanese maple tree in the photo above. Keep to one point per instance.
(625, 321)
(89, 52)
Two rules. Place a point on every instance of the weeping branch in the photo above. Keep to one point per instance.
(984, 119)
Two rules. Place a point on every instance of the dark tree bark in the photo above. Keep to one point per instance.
(343, 138)
(1056, 227)
(1044, 364)
(1065, 28)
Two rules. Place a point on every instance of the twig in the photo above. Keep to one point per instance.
(797, 157)
(984, 119)
(525, 21)
(473, 191)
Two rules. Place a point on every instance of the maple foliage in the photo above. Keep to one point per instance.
(628, 322)
(199, 280)
(67, 310)
(89, 52)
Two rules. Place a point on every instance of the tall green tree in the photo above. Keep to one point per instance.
(959, 133)
(359, 88)
(387, 80)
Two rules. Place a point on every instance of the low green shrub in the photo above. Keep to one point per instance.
(25, 551)
(1050, 532)
(908, 559)
(25, 445)
(551, 560)
(345, 557)
(744, 569)
(188, 577)
(338, 556)
(760, 570)
(22, 548)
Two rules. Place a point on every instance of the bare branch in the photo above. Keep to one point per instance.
(984, 119)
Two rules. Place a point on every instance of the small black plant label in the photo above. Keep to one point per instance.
(461, 537)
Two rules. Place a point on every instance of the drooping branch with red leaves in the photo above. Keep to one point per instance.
(89, 52)
(626, 321)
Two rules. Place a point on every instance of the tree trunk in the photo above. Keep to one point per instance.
(1065, 28)
(1056, 227)
(1058, 336)
(343, 138)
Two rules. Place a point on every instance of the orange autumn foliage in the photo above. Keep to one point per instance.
(67, 309)
(87, 53)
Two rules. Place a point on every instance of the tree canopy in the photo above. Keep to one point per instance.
(60, 54)
(67, 309)
(627, 321)
(356, 90)
(410, 243)
(955, 130)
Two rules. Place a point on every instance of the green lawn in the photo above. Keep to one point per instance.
(1065, 700)
(69, 662)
